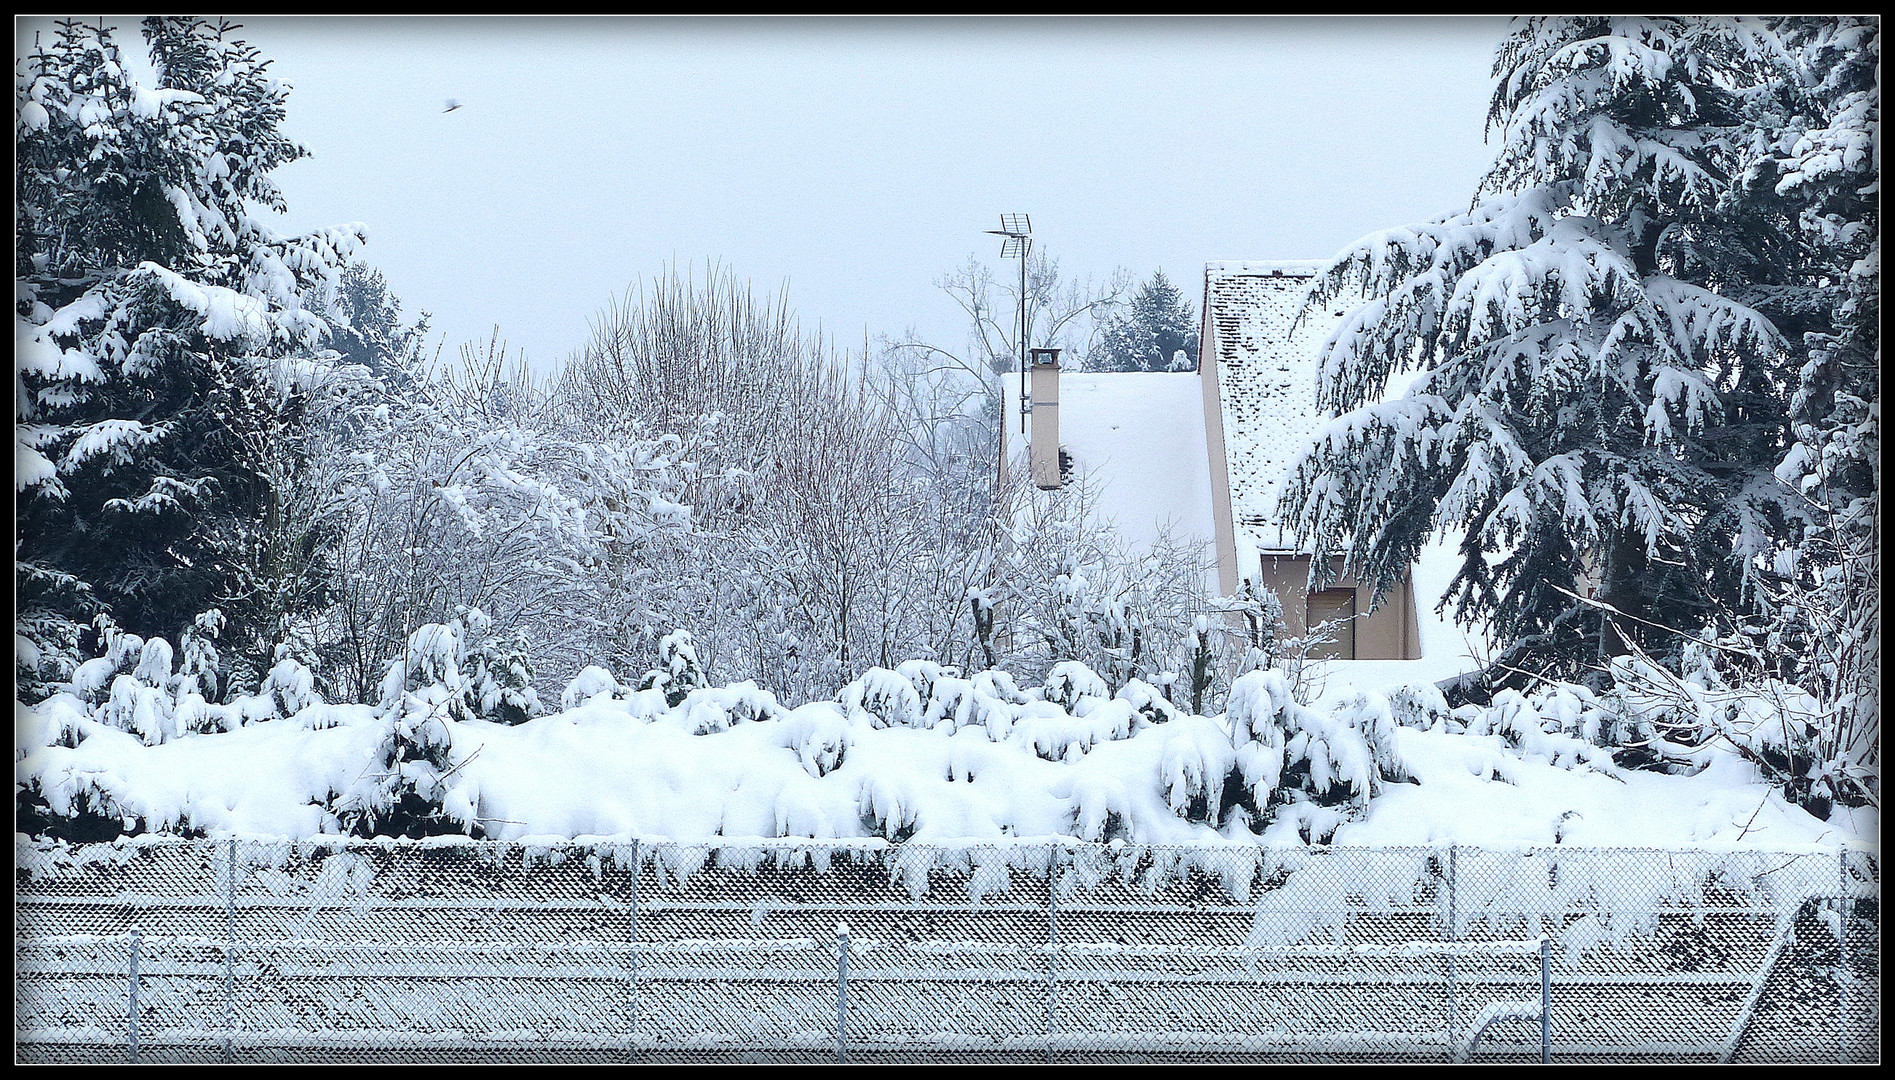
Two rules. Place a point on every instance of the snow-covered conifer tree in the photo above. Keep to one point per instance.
(1150, 333)
(154, 309)
(366, 326)
(1595, 408)
(1817, 625)
(678, 671)
(1829, 171)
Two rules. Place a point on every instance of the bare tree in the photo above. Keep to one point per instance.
(473, 492)
(827, 535)
(1060, 313)
(1074, 591)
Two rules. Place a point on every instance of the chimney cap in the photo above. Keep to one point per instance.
(1044, 356)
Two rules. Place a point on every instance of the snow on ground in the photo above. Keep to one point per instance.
(1474, 791)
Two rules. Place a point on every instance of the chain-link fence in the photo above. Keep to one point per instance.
(219, 950)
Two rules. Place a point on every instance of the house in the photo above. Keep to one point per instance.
(1204, 454)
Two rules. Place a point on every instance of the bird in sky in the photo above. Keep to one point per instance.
(451, 105)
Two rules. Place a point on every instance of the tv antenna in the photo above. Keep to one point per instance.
(1018, 230)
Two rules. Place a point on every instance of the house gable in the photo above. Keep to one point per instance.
(1262, 363)
(1267, 375)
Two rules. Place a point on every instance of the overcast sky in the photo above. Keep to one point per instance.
(855, 161)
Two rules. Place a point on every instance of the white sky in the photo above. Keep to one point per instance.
(855, 161)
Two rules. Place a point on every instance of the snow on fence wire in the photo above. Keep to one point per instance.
(164, 950)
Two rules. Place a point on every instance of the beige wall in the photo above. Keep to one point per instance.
(1222, 521)
(1390, 632)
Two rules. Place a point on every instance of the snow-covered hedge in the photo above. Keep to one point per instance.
(915, 753)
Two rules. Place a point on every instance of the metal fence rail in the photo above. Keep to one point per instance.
(230, 950)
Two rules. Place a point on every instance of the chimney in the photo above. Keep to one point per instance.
(1043, 439)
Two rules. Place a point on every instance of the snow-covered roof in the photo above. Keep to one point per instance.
(1139, 436)
(1266, 372)
(1265, 267)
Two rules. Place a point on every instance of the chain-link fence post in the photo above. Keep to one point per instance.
(1454, 934)
(1843, 975)
(636, 1002)
(1546, 1001)
(131, 1007)
(1052, 939)
(842, 991)
(230, 944)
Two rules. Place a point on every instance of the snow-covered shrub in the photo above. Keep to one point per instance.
(951, 702)
(465, 670)
(193, 715)
(141, 700)
(957, 703)
(819, 734)
(588, 684)
(646, 705)
(1053, 733)
(1419, 705)
(999, 685)
(423, 694)
(923, 674)
(889, 806)
(400, 793)
(1782, 729)
(678, 671)
(1289, 754)
(198, 657)
(290, 686)
(499, 676)
(144, 710)
(886, 698)
(59, 720)
(154, 663)
(1111, 719)
(1149, 702)
(1069, 680)
(1256, 639)
(1581, 713)
(719, 708)
(746, 702)
(1519, 721)
(1195, 763)
(120, 653)
(431, 660)
(92, 679)
(702, 712)
(1372, 717)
